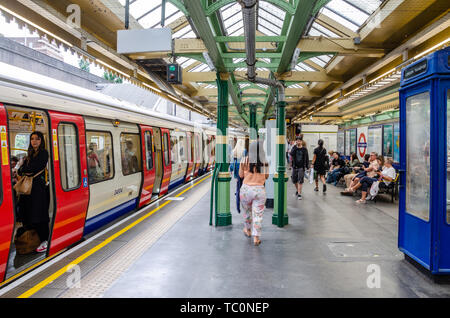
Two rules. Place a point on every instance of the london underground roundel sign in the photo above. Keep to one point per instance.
(362, 145)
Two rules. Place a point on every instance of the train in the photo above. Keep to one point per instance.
(107, 157)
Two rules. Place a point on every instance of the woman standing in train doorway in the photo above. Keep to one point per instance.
(254, 170)
(34, 207)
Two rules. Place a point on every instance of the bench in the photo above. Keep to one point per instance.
(391, 189)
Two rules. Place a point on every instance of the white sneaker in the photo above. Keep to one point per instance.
(42, 248)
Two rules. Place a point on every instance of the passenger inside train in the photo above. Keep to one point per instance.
(33, 213)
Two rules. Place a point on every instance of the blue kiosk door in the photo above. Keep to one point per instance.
(424, 231)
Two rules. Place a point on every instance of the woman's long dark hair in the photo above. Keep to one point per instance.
(353, 156)
(320, 143)
(31, 152)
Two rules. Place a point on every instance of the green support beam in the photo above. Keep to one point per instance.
(223, 210)
(284, 5)
(280, 217)
(264, 38)
(233, 88)
(304, 10)
(253, 125)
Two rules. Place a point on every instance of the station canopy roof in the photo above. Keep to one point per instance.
(315, 27)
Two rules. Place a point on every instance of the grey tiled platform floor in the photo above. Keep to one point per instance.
(325, 251)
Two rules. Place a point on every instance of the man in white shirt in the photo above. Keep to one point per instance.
(387, 176)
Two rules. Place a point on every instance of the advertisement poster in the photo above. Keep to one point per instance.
(388, 144)
(396, 143)
(375, 139)
(361, 147)
(341, 142)
(347, 142)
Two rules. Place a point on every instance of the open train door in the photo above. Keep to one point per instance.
(167, 163)
(148, 171)
(6, 200)
(71, 179)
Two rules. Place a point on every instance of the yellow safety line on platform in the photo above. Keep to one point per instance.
(81, 258)
(30, 268)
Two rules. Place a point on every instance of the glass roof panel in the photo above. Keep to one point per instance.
(170, 19)
(200, 68)
(148, 14)
(317, 29)
(319, 62)
(306, 67)
(348, 11)
(270, 18)
(340, 19)
(265, 31)
(369, 6)
(232, 18)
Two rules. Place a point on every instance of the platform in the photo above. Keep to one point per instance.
(325, 251)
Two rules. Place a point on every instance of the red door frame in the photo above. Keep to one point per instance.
(6, 203)
(167, 168)
(148, 176)
(189, 172)
(72, 204)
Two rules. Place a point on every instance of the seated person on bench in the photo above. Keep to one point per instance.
(357, 169)
(387, 176)
(336, 166)
(370, 171)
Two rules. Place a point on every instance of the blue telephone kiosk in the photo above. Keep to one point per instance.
(424, 208)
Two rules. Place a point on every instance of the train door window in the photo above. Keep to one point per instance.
(99, 156)
(174, 149)
(69, 158)
(191, 151)
(149, 150)
(166, 150)
(198, 147)
(182, 149)
(418, 155)
(131, 154)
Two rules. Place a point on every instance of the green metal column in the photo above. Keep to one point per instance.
(280, 178)
(223, 181)
(253, 126)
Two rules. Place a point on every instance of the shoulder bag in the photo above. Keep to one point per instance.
(25, 183)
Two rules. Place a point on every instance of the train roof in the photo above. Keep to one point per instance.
(23, 87)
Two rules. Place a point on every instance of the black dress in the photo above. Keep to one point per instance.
(319, 164)
(34, 207)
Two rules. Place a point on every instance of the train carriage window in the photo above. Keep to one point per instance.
(149, 150)
(166, 150)
(174, 149)
(100, 156)
(182, 149)
(130, 153)
(69, 158)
